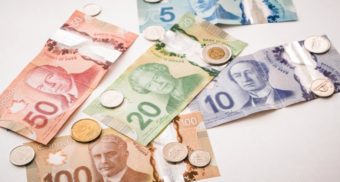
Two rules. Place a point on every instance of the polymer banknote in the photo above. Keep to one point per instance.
(53, 85)
(230, 12)
(114, 157)
(272, 78)
(159, 85)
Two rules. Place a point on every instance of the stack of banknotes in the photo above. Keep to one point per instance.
(170, 94)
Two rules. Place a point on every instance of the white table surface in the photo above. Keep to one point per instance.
(300, 143)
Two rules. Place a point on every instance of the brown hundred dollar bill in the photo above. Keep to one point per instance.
(71, 64)
(114, 157)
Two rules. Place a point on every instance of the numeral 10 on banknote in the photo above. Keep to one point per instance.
(222, 99)
(39, 120)
(64, 174)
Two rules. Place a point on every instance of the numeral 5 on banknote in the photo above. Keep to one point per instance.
(70, 65)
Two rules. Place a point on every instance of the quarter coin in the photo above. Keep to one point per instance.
(199, 158)
(22, 155)
(92, 9)
(85, 130)
(154, 32)
(323, 87)
(111, 98)
(216, 54)
(317, 44)
(175, 152)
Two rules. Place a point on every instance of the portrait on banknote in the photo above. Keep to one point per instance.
(59, 83)
(253, 77)
(156, 78)
(109, 155)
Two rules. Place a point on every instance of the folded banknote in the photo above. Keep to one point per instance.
(52, 86)
(268, 79)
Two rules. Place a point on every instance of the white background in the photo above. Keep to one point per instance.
(300, 143)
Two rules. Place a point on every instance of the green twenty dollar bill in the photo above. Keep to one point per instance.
(160, 84)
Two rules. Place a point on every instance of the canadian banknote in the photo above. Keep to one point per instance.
(244, 11)
(269, 79)
(114, 157)
(162, 81)
(164, 13)
(52, 86)
(232, 12)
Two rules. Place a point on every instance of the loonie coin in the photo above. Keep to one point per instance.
(216, 54)
(317, 44)
(85, 130)
(154, 32)
(322, 87)
(175, 152)
(111, 98)
(22, 155)
(92, 9)
(199, 158)
(152, 1)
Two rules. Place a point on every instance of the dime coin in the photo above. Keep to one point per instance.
(22, 155)
(92, 9)
(85, 130)
(322, 87)
(317, 44)
(111, 98)
(175, 152)
(216, 54)
(199, 158)
(154, 32)
(152, 1)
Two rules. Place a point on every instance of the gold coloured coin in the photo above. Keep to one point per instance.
(216, 54)
(85, 130)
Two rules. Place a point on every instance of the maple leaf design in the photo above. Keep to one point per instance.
(56, 159)
(18, 105)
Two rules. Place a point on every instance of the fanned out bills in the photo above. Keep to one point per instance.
(231, 12)
(52, 86)
(272, 78)
(114, 157)
(160, 84)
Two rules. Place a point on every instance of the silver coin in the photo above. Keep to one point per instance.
(22, 155)
(111, 98)
(175, 152)
(152, 1)
(154, 33)
(199, 158)
(216, 54)
(323, 87)
(317, 44)
(92, 9)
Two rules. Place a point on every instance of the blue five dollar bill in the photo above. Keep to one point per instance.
(234, 12)
(269, 79)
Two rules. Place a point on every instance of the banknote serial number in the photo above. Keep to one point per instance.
(145, 109)
(61, 175)
(39, 119)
